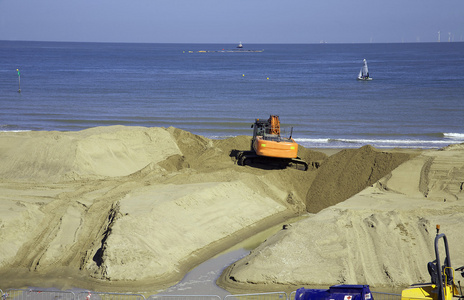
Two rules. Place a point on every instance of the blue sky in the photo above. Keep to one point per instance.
(231, 21)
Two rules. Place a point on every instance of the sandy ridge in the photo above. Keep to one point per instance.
(382, 236)
(131, 208)
(67, 212)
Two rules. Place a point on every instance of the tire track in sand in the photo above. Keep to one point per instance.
(88, 202)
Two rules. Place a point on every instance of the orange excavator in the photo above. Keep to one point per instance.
(269, 148)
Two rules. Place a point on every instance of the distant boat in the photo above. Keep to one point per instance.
(240, 45)
(364, 72)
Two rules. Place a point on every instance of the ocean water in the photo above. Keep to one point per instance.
(416, 97)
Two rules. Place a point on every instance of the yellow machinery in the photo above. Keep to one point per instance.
(442, 286)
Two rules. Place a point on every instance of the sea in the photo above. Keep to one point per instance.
(415, 100)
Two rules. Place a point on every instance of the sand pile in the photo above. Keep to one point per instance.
(127, 207)
(382, 236)
(93, 153)
(348, 172)
(131, 208)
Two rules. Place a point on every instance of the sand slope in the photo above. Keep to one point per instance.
(382, 236)
(103, 151)
(133, 208)
(348, 172)
(128, 207)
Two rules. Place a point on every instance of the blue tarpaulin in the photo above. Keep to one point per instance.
(336, 292)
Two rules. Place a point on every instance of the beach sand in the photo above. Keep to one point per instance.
(133, 209)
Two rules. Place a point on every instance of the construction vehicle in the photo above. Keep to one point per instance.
(336, 292)
(442, 285)
(269, 148)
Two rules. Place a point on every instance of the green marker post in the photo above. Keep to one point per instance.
(19, 80)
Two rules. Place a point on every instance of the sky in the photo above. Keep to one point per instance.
(232, 21)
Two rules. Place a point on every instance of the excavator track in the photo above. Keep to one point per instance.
(250, 158)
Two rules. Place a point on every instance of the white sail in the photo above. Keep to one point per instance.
(364, 72)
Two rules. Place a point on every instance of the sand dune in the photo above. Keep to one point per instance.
(382, 236)
(127, 207)
(133, 208)
(97, 152)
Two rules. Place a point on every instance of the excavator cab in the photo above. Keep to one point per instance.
(269, 128)
(442, 285)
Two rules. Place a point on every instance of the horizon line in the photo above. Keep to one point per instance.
(219, 43)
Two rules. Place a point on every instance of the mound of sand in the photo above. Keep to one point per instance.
(348, 172)
(382, 236)
(131, 208)
(93, 153)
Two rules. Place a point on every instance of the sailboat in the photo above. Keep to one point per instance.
(240, 45)
(364, 72)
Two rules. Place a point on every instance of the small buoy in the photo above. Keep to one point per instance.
(268, 78)
(19, 80)
(243, 75)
